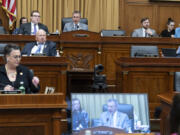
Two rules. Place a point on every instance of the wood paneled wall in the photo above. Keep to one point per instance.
(131, 12)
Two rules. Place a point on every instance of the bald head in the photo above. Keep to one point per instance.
(41, 36)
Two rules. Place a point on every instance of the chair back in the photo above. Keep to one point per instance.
(177, 81)
(111, 33)
(2, 45)
(69, 19)
(144, 51)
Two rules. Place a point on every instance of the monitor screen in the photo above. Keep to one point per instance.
(128, 112)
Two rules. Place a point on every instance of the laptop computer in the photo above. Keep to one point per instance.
(169, 52)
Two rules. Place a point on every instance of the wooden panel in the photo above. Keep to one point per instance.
(36, 114)
(146, 75)
(166, 104)
(165, 12)
(134, 13)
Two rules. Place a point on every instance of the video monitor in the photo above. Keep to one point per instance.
(124, 111)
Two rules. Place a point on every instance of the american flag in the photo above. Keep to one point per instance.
(10, 7)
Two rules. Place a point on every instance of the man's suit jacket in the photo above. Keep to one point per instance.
(70, 27)
(139, 33)
(49, 48)
(122, 120)
(25, 29)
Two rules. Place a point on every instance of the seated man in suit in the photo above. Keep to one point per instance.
(113, 118)
(32, 27)
(79, 116)
(145, 31)
(75, 25)
(41, 46)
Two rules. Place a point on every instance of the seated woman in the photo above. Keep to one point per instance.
(12, 74)
(169, 32)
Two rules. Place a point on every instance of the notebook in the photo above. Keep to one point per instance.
(169, 52)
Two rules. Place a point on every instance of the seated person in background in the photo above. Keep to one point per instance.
(75, 25)
(145, 31)
(175, 116)
(177, 32)
(79, 117)
(169, 32)
(2, 29)
(41, 46)
(23, 20)
(12, 73)
(113, 118)
(32, 27)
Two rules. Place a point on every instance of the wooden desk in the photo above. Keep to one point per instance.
(166, 102)
(103, 50)
(79, 81)
(31, 114)
(50, 70)
(147, 75)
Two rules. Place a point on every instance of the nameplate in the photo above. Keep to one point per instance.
(81, 35)
(10, 91)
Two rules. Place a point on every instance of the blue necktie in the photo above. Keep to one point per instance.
(35, 30)
(39, 48)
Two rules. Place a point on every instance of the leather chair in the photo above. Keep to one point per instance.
(2, 45)
(144, 51)
(125, 108)
(69, 19)
(177, 81)
(111, 33)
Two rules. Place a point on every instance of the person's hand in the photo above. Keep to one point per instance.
(35, 81)
(8, 87)
(149, 32)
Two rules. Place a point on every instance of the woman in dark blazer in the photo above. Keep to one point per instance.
(12, 74)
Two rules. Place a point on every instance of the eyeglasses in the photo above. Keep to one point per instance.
(16, 57)
(36, 16)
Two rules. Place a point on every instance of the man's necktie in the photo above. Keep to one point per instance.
(146, 34)
(35, 30)
(76, 27)
(39, 48)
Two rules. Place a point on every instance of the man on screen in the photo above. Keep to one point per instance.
(113, 118)
(79, 117)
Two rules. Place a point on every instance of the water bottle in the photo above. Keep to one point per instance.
(57, 53)
(22, 88)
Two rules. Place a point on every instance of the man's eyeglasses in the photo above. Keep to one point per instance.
(36, 16)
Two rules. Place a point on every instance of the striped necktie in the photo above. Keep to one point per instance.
(39, 48)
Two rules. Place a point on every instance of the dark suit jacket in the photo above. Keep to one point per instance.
(23, 75)
(49, 49)
(25, 29)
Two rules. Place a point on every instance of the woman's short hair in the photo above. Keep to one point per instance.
(9, 48)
